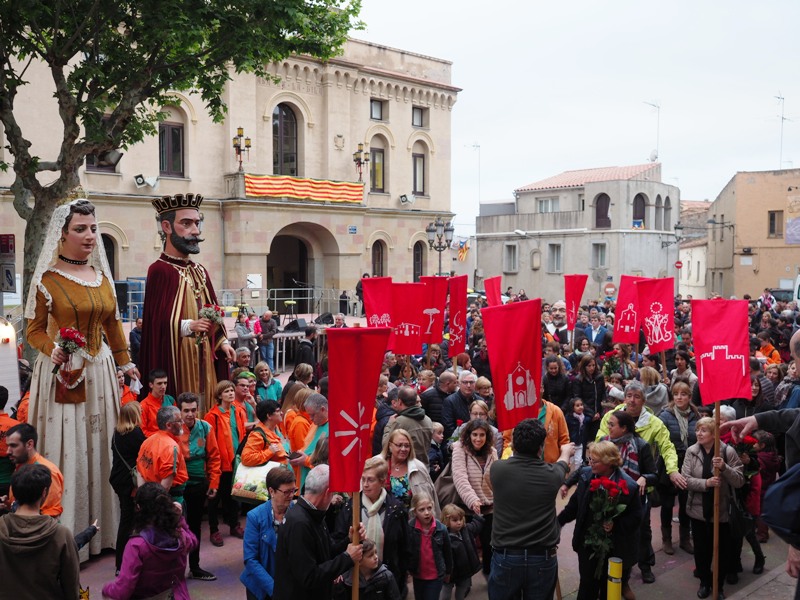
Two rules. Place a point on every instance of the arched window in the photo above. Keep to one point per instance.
(171, 144)
(284, 141)
(602, 205)
(419, 169)
(378, 165)
(667, 214)
(419, 257)
(110, 247)
(639, 206)
(378, 258)
(659, 214)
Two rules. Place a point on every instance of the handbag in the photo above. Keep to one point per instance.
(445, 487)
(740, 521)
(250, 483)
(131, 470)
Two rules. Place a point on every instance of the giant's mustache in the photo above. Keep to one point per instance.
(193, 240)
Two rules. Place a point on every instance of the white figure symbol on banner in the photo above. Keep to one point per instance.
(354, 432)
(656, 325)
(718, 353)
(383, 320)
(431, 312)
(456, 330)
(627, 319)
(521, 388)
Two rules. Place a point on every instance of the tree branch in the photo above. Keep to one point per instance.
(22, 197)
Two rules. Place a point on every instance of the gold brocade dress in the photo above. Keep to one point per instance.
(76, 435)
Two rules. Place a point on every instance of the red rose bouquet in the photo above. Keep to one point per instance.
(604, 507)
(611, 363)
(70, 341)
(213, 313)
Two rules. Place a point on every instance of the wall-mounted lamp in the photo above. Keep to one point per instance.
(715, 223)
(241, 145)
(360, 158)
(678, 237)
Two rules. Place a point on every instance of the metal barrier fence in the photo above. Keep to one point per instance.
(283, 301)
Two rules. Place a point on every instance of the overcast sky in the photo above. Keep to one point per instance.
(555, 86)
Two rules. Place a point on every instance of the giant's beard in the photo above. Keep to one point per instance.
(187, 245)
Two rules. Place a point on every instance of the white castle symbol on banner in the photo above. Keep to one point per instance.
(521, 390)
(407, 330)
(656, 325)
(719, 353)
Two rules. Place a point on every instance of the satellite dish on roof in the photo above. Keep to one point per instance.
(654, 156)
(599, 275)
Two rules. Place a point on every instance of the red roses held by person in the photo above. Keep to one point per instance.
(70, 341)
(605, 506)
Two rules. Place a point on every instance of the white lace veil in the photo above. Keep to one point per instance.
(49, 255)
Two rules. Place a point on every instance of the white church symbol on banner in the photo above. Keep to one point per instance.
(627, 319)
(719, 353)
(656, 325)
(521, 388)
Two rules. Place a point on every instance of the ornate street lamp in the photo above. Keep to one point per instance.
(440, 235)
(241, 145)
(360, 158)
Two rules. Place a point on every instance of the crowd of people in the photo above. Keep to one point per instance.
(447, 495)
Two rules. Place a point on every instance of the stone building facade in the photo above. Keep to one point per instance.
(605, 222)
(304, 126)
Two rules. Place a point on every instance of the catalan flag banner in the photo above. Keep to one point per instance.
(722, 354)
(321, 190)
(463, 248)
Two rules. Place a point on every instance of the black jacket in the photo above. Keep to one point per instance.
(454, 409)
(381, 586)
(396, 541)
(593, 394)
(466, 561)
(305, 353)
(556, 389)
(124, 449)
(382, 414)
(307, 560)
(432, 400)
(442, 552)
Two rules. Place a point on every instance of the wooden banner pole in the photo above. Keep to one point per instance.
(356, 540)
(664, 367)
(715, 557)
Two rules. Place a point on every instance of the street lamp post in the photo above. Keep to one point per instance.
(361, 159)
(241, 145)
(440, 236)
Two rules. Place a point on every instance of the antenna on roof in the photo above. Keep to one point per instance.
(657, 106)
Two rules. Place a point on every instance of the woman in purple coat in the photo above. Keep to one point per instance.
(155, 557)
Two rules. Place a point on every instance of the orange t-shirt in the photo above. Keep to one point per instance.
(127, 396)
(52, 504)
(150, 407)
(22, 408)
(159, 457)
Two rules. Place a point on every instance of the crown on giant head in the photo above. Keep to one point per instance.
(167, 204)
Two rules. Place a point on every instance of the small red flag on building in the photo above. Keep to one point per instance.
(574, 286)
(657, 310)
(515, 357)
(409, 300)
(457, 324)
(721, 349)
(355, 357)
(492, 285)
(435, 306)
(628, 320)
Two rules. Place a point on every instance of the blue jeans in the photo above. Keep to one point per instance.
(427, 589)
(532, 575)
(267, 355)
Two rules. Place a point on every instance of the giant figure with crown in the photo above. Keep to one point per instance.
(194, 351)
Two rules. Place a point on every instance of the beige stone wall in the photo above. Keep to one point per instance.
(332, 104)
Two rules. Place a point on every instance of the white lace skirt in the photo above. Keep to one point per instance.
(77, 438)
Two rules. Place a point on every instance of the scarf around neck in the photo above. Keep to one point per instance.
(374, 526)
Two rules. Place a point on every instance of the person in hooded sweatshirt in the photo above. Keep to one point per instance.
(156, 554)
(412, 418)
(38, 557)
(656, 393)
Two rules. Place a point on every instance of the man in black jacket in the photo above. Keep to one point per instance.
(306, 559)
(456, 405)
(305, 349)
(432, 399)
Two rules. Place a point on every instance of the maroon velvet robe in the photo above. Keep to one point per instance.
(177, 290)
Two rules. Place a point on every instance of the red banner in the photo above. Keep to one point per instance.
(721, 349)
(434, 310)
(458, 315)
(355, 356)
(492, 288)
(409, 301)
(656, 303)
(515, 357)
(628, 319)
(377, 301)
(574, 286)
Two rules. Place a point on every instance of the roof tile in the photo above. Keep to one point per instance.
(580, 177)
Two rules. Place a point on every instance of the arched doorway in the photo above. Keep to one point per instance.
(378, 258)
(110, 246)
(303, 265)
